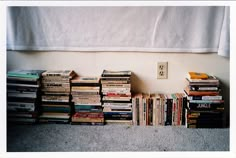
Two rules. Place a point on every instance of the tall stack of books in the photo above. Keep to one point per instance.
(205, 108)
(87, 101)
(116, 96)
(23, 95)
(56, 97)
(158, 109)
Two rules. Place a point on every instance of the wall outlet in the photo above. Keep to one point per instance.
(162, 70)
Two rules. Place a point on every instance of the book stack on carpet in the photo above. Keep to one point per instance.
(56, 97)
(116, 96)
(205, 108)
(23, 95)
(87, 101)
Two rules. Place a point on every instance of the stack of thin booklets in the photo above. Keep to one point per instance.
(116, 96)
(205, 108)
(23, 95)
(56, 97)
(87, 101)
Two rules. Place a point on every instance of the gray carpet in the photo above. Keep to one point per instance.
(59, 137)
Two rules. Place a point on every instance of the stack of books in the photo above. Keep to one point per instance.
(158, 109)
(23, 95)
(56, 97)
(116, 96)
(205, 108)
(87, 101)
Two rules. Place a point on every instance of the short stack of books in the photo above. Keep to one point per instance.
(87, 101)
(158, 109)
(116, 96)
(23, 95)
(56, 97)
(205, 108)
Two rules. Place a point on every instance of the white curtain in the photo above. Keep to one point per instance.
(196, 29)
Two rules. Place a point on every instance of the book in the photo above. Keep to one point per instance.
(204, 88)
(206, 106)
(54, 120)
(85, 79)
(54, 115)
(169, 104)
(23, 81)
(191, 114)
(22, 94)
(25, 73)
(86, 119)
(59, 73)
(109, 73)
(197, 75)
(216, 97)
(89, 114)
(189, 92)
(22, 120)
(127, 122)
(57, 109)
(210, 79)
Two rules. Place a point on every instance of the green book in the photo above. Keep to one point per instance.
(25, 73)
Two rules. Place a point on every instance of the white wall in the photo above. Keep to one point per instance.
(142, 64)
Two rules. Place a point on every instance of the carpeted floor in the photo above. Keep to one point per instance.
(65, 137)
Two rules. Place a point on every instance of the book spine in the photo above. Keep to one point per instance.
(137, 111)
(141, 111)
(206, 106)
(150, 112)
(144, 111)
(184, 106)
(169, 112)
(134, 108)
(154, 111)
(217, 97)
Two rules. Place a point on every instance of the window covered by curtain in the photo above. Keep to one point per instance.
(149, 29)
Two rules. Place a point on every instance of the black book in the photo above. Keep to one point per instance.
(206, 106)
(184, 106)
(37, 82)
(169, 104)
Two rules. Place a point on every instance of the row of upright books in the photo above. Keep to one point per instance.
(40, 96)
(159, 109)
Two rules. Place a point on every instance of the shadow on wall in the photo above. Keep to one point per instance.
(136, 84)
(226, 96)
